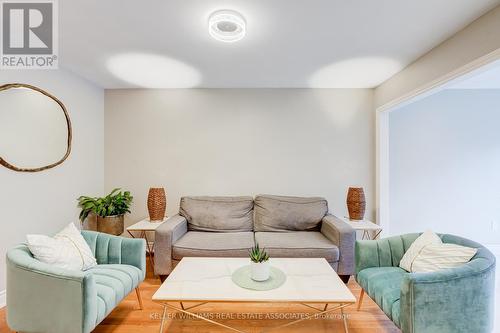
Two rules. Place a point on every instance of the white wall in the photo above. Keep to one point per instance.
(239, 142)
(445, 165)
(44, 202)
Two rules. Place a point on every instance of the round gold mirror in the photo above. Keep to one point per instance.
(35, 129)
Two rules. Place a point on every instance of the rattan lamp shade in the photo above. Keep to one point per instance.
(356, 203)
(157, 203)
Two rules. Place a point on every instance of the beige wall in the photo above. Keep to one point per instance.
(477, 40)
(239, 142)
(44, 202)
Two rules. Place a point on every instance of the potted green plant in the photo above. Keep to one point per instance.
(109, 210)
(259, 266)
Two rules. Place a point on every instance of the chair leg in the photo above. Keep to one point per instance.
(139, 298)
(361, 295)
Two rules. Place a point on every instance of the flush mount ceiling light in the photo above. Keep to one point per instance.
(227, 26)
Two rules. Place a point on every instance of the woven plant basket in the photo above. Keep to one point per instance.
(356, 203)
(157, 203)
(112, 225)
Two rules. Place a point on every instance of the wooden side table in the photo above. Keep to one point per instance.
(141, 230)
(368, 227)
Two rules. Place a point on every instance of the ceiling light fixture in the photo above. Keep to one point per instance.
(227, 26)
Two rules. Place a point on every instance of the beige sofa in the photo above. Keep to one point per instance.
(230, 226)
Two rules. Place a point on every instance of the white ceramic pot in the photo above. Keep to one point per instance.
(259, 271)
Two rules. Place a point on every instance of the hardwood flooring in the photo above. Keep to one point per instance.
(127, 318)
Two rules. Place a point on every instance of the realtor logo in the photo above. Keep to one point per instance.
(29, 39)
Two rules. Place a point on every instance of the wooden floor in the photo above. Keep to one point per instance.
(126, 318)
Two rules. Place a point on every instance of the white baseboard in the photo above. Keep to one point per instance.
(3, 298)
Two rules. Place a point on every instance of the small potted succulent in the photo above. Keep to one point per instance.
(109, 210)
(259, 267)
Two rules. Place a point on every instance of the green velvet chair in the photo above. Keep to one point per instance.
(42, 298)
(454, 300)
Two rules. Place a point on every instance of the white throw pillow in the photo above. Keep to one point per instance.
(427, 238)
(441, 256)
(67, 249)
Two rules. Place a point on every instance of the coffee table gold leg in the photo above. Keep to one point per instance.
(344, 319)
(163, 318)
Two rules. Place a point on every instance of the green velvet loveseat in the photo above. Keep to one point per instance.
(42, 298)
(454, 300)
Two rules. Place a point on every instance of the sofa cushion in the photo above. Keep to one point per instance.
(213, 244)
(222, 214)
(279, 213)
(113, 283)
(383, 285)
(442, 256)
(427, 238)
(298, 244)
(67, 249)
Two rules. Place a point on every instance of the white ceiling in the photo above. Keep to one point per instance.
(289, 43)
(485, 78)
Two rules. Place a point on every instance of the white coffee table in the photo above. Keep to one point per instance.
(370, 229)
(208, 280)
(142, 228)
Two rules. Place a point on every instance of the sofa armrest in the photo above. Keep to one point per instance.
(109, 249)
(451, 300)
(44, 298)
(344, 236)
(165, 237)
